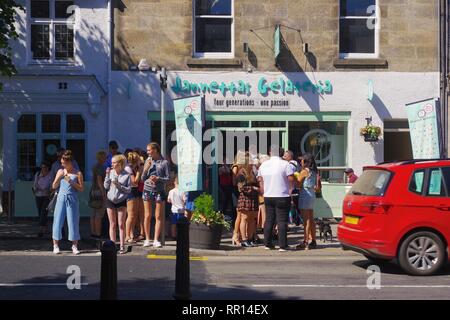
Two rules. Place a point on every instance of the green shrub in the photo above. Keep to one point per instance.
(204, 212)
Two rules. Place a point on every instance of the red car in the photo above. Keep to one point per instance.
(400, 211)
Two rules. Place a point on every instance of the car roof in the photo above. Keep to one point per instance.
(416, 163)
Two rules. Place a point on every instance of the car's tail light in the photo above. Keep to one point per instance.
(375, 207)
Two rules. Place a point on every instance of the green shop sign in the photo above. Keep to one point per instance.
(279, 86)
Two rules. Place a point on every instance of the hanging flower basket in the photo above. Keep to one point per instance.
(370, 133)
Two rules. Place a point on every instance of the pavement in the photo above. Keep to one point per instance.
(28, 270)
(21, 238)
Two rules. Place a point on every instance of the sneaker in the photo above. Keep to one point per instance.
(56, 250)
(75, 250)
(282, 250)
(269, 248)
(157, 244)
(147, 243)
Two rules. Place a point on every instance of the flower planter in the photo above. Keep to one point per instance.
(202, 236)
(369, 138)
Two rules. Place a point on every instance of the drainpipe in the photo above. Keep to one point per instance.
(443, 72)
(109, 64)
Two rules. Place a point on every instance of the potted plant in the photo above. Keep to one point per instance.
(370, 133)
(206, 224)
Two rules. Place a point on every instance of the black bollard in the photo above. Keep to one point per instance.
(108, 277)
(182, 273)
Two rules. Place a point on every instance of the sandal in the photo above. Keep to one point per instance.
(130, 241)
(122, 250)
(301, 246)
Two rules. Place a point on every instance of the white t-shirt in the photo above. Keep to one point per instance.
(275, 173)
(177, 199)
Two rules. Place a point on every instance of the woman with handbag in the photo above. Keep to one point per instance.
(42, 188)
(69, 181)
(308, 181)
(97, 195)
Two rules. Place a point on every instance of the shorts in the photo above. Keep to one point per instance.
(175, 217)
(135, 193)
(158, 196)
(98, 213)
(112, 205)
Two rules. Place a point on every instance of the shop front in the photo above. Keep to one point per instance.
(321, 113)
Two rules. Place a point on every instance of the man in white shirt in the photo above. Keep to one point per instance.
(275, 177)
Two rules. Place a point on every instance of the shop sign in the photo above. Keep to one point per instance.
(280, 86)
(423, 118)
(188, 121)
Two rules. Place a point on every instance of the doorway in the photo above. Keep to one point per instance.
(397, 141)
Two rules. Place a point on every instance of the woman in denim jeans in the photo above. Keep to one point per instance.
(69, 181)
(155, 177)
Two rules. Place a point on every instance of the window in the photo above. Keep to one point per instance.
(416, 183)
(372, 182)
(40, 135)
(436, 186)
(213, 28)
(358, 29)
(51, 31)
(326, 141)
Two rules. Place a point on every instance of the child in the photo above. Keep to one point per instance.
(178, 201)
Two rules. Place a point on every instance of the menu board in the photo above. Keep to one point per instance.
(188, 121)
(423, 119)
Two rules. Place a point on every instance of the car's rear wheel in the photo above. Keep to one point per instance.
(377, 260)
(422, 254)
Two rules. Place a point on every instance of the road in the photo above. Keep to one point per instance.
(284, 276)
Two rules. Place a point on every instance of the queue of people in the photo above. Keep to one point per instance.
(133, 187)
(263, 187)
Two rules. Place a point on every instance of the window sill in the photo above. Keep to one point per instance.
(360, 63)
(52, 66)
(203, 62)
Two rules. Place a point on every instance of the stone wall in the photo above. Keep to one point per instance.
(161, 32)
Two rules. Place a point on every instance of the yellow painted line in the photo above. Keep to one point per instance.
(161, 257)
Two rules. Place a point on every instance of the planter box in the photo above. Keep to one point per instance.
(202, 236)
(369, 138)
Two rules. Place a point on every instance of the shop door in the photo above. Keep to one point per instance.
(227, 143)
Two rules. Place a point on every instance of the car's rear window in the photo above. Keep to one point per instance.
(372, 182)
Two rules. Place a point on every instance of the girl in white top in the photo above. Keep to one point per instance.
(178, 201)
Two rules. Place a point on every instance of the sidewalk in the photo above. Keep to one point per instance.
(21, 237)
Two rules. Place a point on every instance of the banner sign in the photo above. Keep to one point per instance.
(423, 118)
(188, 121)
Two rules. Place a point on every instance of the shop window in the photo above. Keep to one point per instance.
(75, 123)
(213, 28)
(51, 31)
(358, 29)
(231, 124)
(51, 123)
(27, 123)
(37, 143)
(26, 157)
(326, 141)
(268, 124)
(78, 147)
